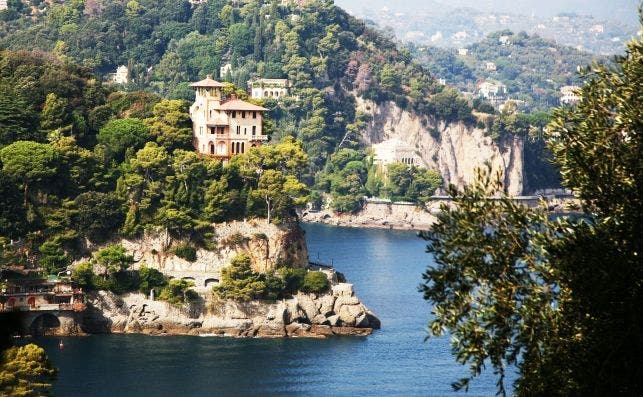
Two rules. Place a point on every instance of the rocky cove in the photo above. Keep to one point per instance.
(335, 312)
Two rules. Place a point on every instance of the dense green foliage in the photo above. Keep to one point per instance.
(329, 57)
(532, 68)
(178, 292)
(558, 298)
(25, 371)
(240, 282)
(350, 175)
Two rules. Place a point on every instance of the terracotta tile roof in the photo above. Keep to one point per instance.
(238, 104)
(208, 82)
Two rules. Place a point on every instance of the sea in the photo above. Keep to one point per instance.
(385, 267)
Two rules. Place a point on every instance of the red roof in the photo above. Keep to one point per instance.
(208, 82)
(238, 104)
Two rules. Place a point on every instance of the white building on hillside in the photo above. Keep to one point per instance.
(224, 70)
(268, 88)
(3, 5)
(224, 127)
(121, 76)
(396, 151)
(493, 91)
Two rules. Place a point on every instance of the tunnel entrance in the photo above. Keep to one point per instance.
(45, 324)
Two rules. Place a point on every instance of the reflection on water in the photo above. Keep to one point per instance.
(385, 267)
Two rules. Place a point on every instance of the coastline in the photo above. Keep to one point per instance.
(376, 216)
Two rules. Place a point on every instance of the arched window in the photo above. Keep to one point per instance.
(211, 148)
(243, 149)
(221, 148)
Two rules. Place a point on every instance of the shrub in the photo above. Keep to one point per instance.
(83, 275)
(315, 282)
(151, 279)
(185, 251)
(178, 292)
(293, 278)
(239, 282)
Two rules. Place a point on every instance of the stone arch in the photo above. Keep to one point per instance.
(188, 278)
(210, 281)
(44, 324)
(31, 301)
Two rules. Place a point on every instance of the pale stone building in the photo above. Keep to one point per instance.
(463, 51)
(490, 66)
(395, 151)
(268, 88)
(225, 69)
(3, 5)
(121, 76)
(223, 127)
(494, 91)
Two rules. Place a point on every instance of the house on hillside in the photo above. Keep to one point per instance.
(224, 127)
(490, 66)
(121, 76)
(493, 91)
(268, 88)
(3, 5)
(224, 70)
(395, 151)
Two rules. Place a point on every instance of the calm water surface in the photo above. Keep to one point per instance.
(385, 268)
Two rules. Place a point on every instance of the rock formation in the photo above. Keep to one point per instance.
(338, 312)
(454, 149)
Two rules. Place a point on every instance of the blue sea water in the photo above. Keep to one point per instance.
(385, 267)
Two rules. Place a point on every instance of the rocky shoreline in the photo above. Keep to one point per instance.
(338, 312)
(381, 217)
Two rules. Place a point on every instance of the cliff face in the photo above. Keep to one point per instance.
(268, 246)
(454, 149)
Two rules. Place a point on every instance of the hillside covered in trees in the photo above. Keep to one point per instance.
(532, 68)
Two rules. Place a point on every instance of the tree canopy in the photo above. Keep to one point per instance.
(557, 298)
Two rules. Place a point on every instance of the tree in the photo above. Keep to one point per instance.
(151, 279)
(239, 282)
(558, 298)
(31, 163)
(178, 292)
(122, 134)
(98, 214)
(113, 259)
(171, 124)
(25, 371)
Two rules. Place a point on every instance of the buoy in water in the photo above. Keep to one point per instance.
(61, 345)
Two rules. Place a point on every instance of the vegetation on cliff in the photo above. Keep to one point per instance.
(559, 299)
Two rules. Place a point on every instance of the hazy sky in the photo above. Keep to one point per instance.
(623, 10)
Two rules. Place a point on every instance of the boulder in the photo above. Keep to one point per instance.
(373, 321)
(348, 314)
(362, 321)
(320, 320)
(333, 320)
(344, 300)
(343, 289)
(306, 303)
(271, 331)
(325, 305)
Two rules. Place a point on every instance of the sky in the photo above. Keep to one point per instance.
(617, 10)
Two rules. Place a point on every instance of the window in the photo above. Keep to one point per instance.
(201, 130)
(234, 114)
(245, 131)
(243, 115)
(254, 130)
(238, 129)
(243, 149)
(254, 115)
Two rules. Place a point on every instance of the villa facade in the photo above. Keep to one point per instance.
(224, 127)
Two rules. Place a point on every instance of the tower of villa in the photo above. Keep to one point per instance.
(224, 127)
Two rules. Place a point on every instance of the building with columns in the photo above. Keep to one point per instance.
(224, 127)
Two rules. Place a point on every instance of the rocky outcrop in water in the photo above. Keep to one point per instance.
(338, 312)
